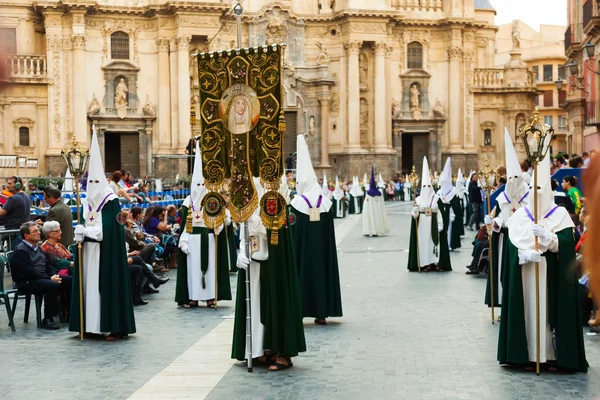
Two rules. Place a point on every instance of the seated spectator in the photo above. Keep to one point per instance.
(480, 243)
(121, 193)
(155, 223)
(171, 215)
(135, 242)
(61, 213)
(33, 273)
(57, 254)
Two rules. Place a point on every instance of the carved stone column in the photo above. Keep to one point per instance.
(80, 128)
(183, 83)
(353, 49)
(174, 94)
(381, 111)
(454, 98)
(324, 101)
(53, 28)
(164, 97)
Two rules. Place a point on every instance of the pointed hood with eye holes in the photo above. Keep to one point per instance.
(550, 216)
(460, 183)
(326, 191)
(447, 191)
(427, 196)
(515, 187)
(98, 189)
(338, 193)
(356, 190)
(307, 184)
(198, 189)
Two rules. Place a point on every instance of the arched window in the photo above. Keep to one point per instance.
(119, 46)
(487, 137)
(414, 52)
(24, 136)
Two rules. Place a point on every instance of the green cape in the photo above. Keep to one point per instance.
(564, 308)
(116, 302)
(457, 232)
(281, 310)
(316, 254)
(222, 266)
(495, 258)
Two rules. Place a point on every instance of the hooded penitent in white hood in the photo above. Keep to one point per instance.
(461, 189)
(550, 216)
(426, 197)
(198, 189)
(356, 190)
(307, 183)
(365, 183)
(338, 193)
(515, 187)
(326, 191)
(98, 190)
(447, 191)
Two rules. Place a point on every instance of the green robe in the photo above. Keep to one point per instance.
(221, 266)
(228, 248)
(457, 224)
(413, 251)
(495, 259)
(281, 309)
(352, 207)
(335, 205)
(444, 263)
(116, 302)
(316, 255)
(564, 308)
(460, 216)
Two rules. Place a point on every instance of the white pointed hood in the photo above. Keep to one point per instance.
(447, 191)
(68, 185)
(426, 197)
(545, 196)
(356, 190)
(516, 187)
(306, 178)
(307, 185)
(326, 191)
(260, 191)
(460, 183)
(380, 181)
(198, 190)
(98, 190)
(338, 193)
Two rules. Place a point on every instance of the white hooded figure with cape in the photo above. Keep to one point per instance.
(197, 262)
(107, 299)
(560, 320)
(428, 250)
(326, 192)
(339, 201)
(514, 196)
(451, 206)
(357, 197)
(311, 222)
(374, 216)
(463, 200)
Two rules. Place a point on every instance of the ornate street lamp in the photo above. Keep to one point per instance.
(414, 182)
(487, 178)
(76, 159)
(536, 138)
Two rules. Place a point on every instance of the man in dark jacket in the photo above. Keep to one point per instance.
(34, 274)
(476, 200)
(61, 213)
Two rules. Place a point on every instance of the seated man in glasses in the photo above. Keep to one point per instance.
(33, 273)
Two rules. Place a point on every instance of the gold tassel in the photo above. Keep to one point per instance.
(188, 223)
(281, 124)
(274, 238)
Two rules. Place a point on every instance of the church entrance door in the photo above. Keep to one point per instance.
(414, 147)
(122, 151)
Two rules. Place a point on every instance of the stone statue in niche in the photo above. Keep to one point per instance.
(148, 108)
(363, 71)
(311, 125)
(438, 107)
(395, 108)
(121, 99)
(94, 107)
(325, 7)
(414, 102)
(323, 58)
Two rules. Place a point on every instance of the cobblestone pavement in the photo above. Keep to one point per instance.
(403, 336)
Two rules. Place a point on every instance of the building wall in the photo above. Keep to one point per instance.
(346, 77)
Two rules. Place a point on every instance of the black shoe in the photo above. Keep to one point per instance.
(469, 272)
(156, 281)
(49, 324)
(139, 302)
(149, 290)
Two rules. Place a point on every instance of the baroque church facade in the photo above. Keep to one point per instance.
(378, 82)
